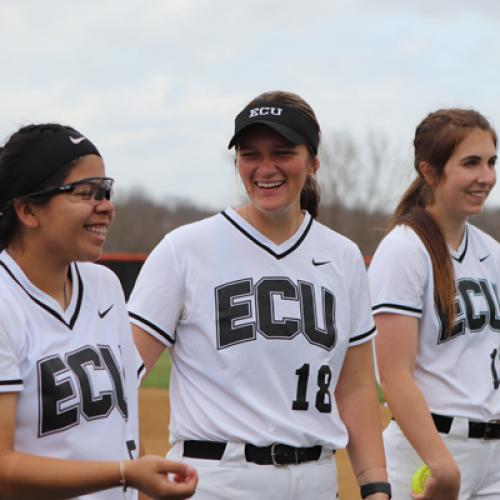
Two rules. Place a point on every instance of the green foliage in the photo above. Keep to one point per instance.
(159, 376)
(380, 394)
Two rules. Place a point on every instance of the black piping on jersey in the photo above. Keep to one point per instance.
(462, 255)
(264, 247)
(165, 335)
(397, 306)
(56, 315)
(362, 336)
(16, 381)
(140, 370)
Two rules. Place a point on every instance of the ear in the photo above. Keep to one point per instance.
(26, 213)
(428, 172)
(314, 165)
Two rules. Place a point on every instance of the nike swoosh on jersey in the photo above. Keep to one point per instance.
(482, 259)
(320, 262)
(76, 140)
(106, 311)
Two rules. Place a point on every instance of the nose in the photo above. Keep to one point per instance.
(104, 206)
(267, 164)
(487, 174)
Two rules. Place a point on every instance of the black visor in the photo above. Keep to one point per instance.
(292, 124)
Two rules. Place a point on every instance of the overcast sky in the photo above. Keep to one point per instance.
(156, 83)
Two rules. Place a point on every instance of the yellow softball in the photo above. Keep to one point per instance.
(419, 479)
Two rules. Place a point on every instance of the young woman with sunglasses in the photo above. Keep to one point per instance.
(68, 366)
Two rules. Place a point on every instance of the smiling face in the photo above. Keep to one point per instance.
(469, 176)
(273, 171)
(71, 227)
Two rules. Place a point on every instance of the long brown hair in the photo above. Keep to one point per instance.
(436, 139)
(310, 194)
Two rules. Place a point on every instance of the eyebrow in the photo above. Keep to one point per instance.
(476, 157)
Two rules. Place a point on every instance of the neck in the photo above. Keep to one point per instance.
(277, 227)
(453, 227)
(49, 276)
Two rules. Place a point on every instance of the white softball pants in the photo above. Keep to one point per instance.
(477, 459)
(233, 478)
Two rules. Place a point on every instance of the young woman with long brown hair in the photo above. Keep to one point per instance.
(434, 283)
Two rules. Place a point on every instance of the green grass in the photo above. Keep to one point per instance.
(159, 376)
(380, 394)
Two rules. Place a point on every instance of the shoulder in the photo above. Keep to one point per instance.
(400, 255)
(98, 273)
(403, 241)
(13, 315)
(99, 278)
(333, 240)
(474, 233)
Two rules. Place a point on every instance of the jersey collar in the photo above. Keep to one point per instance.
(278, 251)
(45, 301)
(459, 254)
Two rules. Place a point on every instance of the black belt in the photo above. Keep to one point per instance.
(274, 454)
(478, 430)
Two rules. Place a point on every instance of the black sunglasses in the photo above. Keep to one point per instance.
(92, 188)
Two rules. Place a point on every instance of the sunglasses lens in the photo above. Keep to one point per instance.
(102, 193)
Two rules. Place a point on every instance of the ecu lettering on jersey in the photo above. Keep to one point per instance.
(244, 309)
(66, 392)
(477, 307)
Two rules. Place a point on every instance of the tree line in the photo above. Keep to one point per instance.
(360, 181)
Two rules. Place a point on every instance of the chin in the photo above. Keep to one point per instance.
(90, 255)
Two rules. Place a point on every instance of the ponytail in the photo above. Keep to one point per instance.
(428, 230)
(310, 196)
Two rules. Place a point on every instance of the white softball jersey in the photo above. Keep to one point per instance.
(458, 376)
(75, 370)
(257, 331)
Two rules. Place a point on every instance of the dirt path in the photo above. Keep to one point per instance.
(154, 422)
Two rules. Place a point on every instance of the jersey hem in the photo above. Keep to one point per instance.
(362, 336)
(14, 385)
(388, 307)
(151, 328)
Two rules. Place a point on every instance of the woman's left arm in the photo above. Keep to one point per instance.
(358, 405)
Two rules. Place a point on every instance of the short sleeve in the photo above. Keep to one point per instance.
(399, 274)
(11, 343)
(362, 324)
(157, 299)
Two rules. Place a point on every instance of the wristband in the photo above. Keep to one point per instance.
(371, 488)
(123, 479)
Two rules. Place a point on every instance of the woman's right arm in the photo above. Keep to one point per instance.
(149, 348)
(30, 476)
(397, 343)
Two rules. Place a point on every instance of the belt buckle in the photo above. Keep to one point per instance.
(273, 456)
(490, 432)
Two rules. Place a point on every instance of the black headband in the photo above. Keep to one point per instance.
(295, 126)
(55, 149)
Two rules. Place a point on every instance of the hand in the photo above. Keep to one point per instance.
(161, 479)
(443, 484)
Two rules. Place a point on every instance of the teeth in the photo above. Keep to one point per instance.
(100, 230)
(269, 185)
(477, 194)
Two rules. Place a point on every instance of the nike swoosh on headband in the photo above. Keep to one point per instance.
(76, 140)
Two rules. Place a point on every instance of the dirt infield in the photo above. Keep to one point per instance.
(154, 421)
